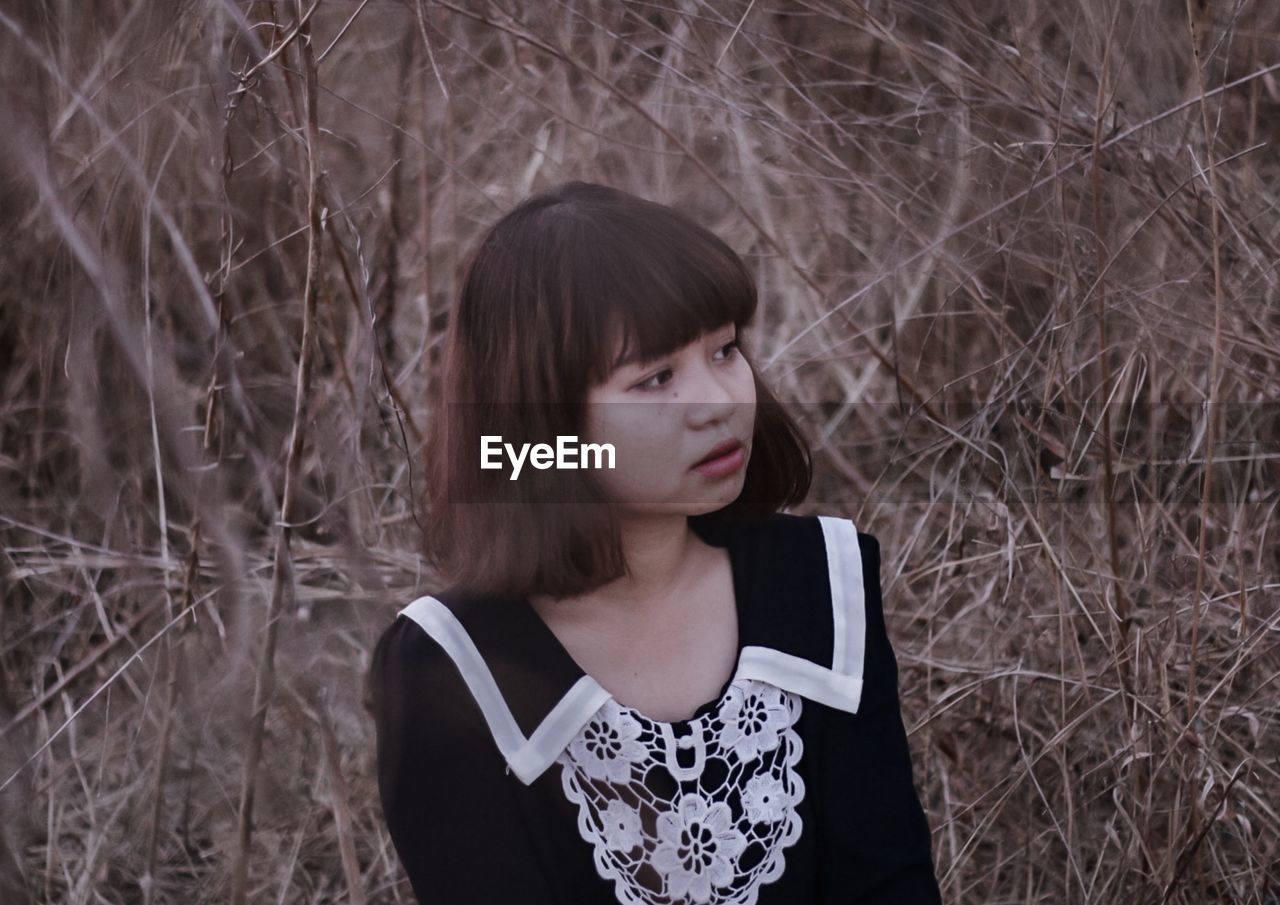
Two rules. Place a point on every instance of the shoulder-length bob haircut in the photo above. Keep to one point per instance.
(554, 289)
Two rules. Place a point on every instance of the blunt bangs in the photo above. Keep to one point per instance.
(666, 281)
(631, 279)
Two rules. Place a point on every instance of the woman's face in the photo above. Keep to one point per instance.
(664, 416)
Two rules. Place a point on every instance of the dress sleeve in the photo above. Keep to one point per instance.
(446, 797)
(884, 850)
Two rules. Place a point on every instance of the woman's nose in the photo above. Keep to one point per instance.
(710, 388)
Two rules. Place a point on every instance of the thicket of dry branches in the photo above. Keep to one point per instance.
(1029, 239)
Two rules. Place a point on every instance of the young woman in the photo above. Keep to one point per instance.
(644, 684)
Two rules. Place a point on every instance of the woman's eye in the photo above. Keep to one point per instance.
(646, 385)
(731, 344)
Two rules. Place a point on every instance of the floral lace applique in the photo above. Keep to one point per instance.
(703, 817)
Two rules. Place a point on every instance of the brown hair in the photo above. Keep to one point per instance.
(547, 294)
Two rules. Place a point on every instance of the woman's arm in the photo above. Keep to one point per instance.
(885, 850)
(448, 802)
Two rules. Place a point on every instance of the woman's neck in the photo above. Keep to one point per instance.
(663, 554)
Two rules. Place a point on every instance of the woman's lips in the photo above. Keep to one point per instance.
(724, 464)
(722, 448)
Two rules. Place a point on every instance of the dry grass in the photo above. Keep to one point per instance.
(232, 236)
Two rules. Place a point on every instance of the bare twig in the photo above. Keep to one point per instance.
(282, 576)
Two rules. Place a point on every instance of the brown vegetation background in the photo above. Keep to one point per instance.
(232, 236)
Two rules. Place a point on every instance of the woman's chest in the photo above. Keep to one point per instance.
(703, 810)
(668, 679)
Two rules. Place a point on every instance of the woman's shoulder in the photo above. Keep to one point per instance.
(792, 524)
(812, 606)
(794, 538)
(403, 645)
(409, 667)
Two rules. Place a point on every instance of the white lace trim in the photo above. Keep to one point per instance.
(708, 828)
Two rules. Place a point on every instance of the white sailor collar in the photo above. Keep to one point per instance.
(800, 591)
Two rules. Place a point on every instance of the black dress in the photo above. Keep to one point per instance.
(508, 775)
